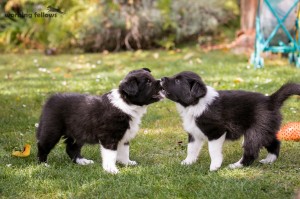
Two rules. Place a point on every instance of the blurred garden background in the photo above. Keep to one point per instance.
(49, 46)
(114, 25)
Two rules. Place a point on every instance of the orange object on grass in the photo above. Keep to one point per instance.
(24, 153)
(290, 132)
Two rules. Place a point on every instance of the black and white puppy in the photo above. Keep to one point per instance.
(213, 115)
(111, 120)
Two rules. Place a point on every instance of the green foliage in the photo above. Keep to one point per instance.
(150, 23)
(111, 25)
(33, 31)
(116, 26)
(63, 32)
(196, 17)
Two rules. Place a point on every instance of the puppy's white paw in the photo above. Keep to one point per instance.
(128, 162)
(83, 161)
(269, 159)
(188, 161)
(110, 169)
(236, 165)
(46, 165)
(266, 161)
(214, 167)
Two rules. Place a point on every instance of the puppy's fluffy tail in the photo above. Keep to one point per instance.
(284, 93)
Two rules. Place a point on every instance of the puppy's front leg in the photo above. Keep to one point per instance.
(215, 152)
(194, 147)
(123, 154)
(109, 158)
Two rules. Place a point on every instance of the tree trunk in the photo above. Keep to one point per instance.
(245, 37)
(248, 12)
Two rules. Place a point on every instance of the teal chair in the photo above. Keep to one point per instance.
(277, 29)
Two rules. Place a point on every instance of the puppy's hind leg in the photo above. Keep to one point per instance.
(194, 147)
(73, 149)
(47, 138)
(246, 160)
(251, 150)
(215, 152)
(273, 148)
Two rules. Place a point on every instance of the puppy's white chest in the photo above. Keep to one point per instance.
(135, 112)
(189, 123)
(134, 124)
(133, 129)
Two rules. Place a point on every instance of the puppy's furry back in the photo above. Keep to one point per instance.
(284, 93)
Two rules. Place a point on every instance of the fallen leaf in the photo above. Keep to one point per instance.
(57, 69)
(238, 80)
(199, 61)
(68, 75)
(24, 153)
(188, 56)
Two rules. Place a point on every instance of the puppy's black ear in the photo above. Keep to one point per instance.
(198, 89)
(130, 87)
(147, 69)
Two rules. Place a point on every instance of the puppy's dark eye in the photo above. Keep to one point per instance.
(177, 81)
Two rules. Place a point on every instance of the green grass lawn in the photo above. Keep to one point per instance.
(27, 80)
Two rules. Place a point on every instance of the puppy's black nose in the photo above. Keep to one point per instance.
(164, 79)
